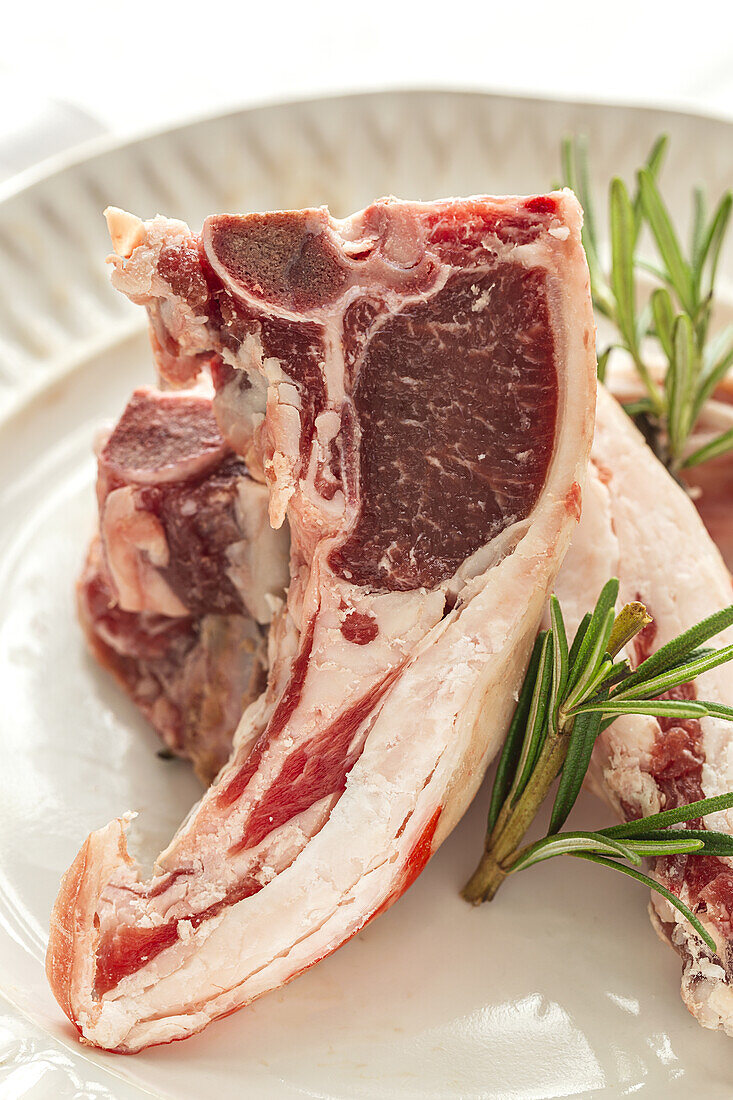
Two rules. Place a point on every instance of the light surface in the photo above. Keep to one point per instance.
(140, 64)
(560, 987)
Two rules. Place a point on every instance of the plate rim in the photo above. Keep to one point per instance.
(95, 149)
(103, 144)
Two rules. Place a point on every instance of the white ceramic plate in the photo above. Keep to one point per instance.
(560, 987)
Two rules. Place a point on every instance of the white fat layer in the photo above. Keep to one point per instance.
(259, 562)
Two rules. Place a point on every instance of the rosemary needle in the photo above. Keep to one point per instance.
(675, 316)
(569, 695)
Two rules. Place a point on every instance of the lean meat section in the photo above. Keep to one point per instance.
(183, 574)
(416, 384)
(641, 527)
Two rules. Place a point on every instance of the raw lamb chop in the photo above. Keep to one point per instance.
(711, 483)
(417, 384)
(182, 577)
(641, 527)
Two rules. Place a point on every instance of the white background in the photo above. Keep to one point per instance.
(123, 67)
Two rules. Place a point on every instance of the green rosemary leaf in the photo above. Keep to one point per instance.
(717, 359)
(603, 364)
(697, 235)
(711, 843)
(718, 710)
(653, 269)
(682, 646)
(575, 167)
(653, 165)
(511, 753)
(659, 708)
(673, 386)
(665, 818)
(665, 236)
(679, 383)
(568, 844)
(643, 323)
(695, 655)
(602, 674)
(604, 861)
(536, 726)
(711, 246)
(681, 667)
(657, 154)
(578, 639)
(588, 673)
(606, 602)
(567, 160)
(616, 673)
(560, 659)
(718, 347)
(676, 843)
(574, 158)
(581, 160)
(721, 445)
(642, 407)
(663, 313)
(622, 261)
(680, 674)
(585, 731)
(714, 843)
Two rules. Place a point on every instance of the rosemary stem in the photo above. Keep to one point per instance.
(485, 880)
(569, 695)
(514, 821)
(632, 618)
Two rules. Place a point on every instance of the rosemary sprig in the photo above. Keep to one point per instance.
(571, 694)
(675, 316)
